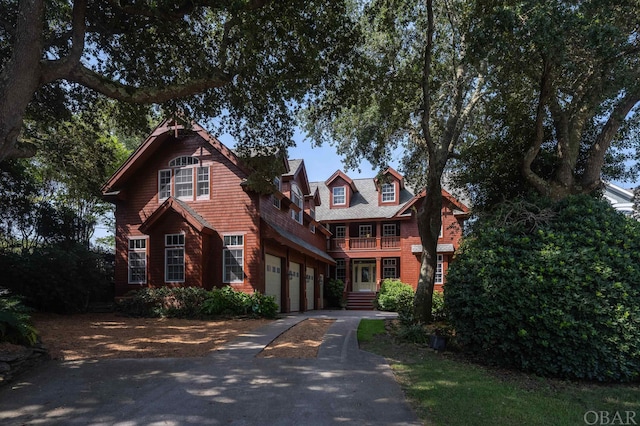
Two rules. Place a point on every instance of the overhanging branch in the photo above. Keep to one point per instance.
(145, 95)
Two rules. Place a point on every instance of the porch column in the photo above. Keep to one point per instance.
(378, 273)
(378, 236)
(347, 274)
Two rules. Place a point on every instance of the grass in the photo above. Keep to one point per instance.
(449, 391)
(369, 328)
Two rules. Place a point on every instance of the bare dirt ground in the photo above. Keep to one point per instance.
(101, 336)
(301, 341)
(109, 336)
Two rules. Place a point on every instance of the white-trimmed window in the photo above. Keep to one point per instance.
(296, 197)
(389, 268)
(233, 259)
(184, 183)
(164, 184)
(441, 228)
(341, 231)
(339, 196)
(183, 161)
(174, 258)
(439, 269)
(202, 183)
(364, 231)
(341, 270)
(388, 192)
(274, 199)
(389, 230)
(137, 260)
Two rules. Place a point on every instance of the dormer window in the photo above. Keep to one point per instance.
(339, 195)
(388, 192)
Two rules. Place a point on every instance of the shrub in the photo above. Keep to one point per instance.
(556, 297)
(391, 293)
(227, 301)
(58, 278)
(333, 292)
(438, 312)
(15, 321)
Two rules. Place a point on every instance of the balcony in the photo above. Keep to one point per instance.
(365, 243)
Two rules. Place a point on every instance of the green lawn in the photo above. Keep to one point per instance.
(447, 391)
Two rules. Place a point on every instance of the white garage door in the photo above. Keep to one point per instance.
(273, 278)
(310, 278)
(294, 286)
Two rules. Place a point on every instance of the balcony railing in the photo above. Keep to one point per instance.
(365, 243)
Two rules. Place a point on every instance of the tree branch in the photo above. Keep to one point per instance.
(595, 159)
(144, 95)
(55, 70)
(186, 7)
(533, 178)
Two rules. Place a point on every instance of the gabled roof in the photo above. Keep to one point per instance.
(364, 203)
(166, 131)
(391, 171)
(188, 214)
(461, 208)
(341, 174)
(298, 169)
(315, 195)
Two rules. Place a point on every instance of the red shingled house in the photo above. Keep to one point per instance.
(186, 217)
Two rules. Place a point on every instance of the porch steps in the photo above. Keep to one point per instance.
(360, 300)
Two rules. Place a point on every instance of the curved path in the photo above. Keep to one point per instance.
(343, 385)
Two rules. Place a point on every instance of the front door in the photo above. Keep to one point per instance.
(364, 277)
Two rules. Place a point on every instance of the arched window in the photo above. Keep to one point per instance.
(179, 179)
(183, 161)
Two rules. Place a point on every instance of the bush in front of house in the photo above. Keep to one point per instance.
(393, 294)
(196, 302)
(551, 289)
(333, 292)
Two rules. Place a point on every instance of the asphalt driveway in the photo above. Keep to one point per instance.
(344, 385)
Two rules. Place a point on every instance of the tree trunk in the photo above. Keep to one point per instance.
(429, 225)
(21, 76)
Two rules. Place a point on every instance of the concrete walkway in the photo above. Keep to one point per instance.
(344, 385)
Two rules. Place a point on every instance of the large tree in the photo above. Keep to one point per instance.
(564, 79)
(413, 85)
(245, 61)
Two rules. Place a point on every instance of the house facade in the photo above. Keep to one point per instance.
(374, 232)
(185, 216)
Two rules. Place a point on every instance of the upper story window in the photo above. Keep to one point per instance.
(339, 195)
(183, 161)
(312, 213)
(388, 230)
(341, 231)
(388, 192)
(364, 231)
(189, 177)
(274, 199)
(296, 197)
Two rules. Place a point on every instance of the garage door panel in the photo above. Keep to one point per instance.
(273, 278)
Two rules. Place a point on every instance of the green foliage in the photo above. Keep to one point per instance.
(556, 295)
(334, 292)
(195, 302)
(15, 321)
(390, 294)
(414, 333)
(227, 301)
(438, 312)
(61, 278)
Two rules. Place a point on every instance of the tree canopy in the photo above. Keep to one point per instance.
(564, 91)
(414, 85)
(245, 62)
